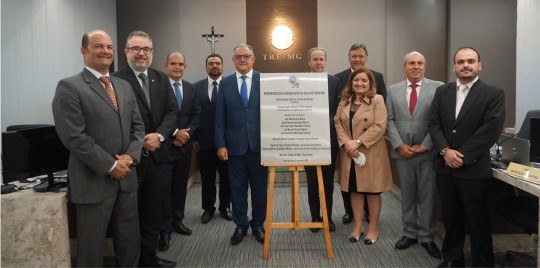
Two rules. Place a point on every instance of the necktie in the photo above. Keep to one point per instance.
(214, 92)
(243, 90)
(460, 97)
(413, 98)
(178, 94)
(105, 80)
(145, 87)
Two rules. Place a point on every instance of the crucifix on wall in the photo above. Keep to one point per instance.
(212, 38)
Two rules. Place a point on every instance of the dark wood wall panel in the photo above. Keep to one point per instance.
(262, 16)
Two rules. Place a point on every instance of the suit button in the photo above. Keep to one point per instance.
(454, 131)
(365, 119)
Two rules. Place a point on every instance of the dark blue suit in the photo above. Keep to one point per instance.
(238, 129)
(207, 156)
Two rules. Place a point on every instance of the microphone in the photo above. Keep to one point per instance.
(498, 151)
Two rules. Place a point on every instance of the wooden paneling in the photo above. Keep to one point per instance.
(263, 16)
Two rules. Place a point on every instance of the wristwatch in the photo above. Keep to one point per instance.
(358, 141)
(443, 151)
(161, 138)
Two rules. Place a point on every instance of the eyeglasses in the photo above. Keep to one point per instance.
(245, 57)
(137, 50)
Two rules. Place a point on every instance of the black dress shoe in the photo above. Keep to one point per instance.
(164, 242)
(347, 218)
(456, 263)
(331, 226)
(226, 214)
(258, 232)
(156, 262)
(238, 236)
(180, 228)
(405, 242)
(432, 249)
(315, 220)
(207, 216)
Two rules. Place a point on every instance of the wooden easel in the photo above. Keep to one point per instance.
(295, 223)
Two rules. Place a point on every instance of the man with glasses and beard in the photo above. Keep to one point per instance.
(158, 110)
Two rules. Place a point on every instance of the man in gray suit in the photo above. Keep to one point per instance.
(98, 121)
(409, 104)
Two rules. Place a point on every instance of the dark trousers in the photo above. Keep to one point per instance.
(246, 171)
(462, 199)
(92, 221)
(175, 192)
(313, 190)
(151, 176)
(209, 163)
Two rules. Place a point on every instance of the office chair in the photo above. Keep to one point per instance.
(522, 211)
(525, 130)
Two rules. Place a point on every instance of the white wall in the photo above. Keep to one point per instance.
(40, 45)
(527, 59)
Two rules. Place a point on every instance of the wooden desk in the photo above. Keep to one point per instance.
(524, 185)
(35, 230)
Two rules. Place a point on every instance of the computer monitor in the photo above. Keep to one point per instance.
(32, 152)
(535, 139)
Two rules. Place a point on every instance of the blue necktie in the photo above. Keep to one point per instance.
(243, 90)
(178, 95)
(214, 92)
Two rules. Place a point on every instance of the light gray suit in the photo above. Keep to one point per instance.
(94, 132)
(417, 178)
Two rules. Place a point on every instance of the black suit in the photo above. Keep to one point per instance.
(334, 89)
(159, 117)
(381, 90)
(188, 117)
(379, 80)
(463, 190)
(207, 156)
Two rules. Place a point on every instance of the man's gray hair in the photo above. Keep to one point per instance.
(358, 46)
(138, 33)
(243, 46)
(315, 49)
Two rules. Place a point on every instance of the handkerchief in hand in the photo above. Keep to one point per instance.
(360, 160)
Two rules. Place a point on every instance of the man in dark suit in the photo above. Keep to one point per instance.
(238, 136)
(98, 121)
(158, 110)
(186, 125)
(317, 63)
(466, 119)
(204, 144)
(409, 107)
(358, 56)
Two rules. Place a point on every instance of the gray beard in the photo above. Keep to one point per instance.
(139, 68)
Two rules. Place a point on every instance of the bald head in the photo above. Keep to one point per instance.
(97, 50)
(414, 66)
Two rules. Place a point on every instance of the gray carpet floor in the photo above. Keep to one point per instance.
(209, 245)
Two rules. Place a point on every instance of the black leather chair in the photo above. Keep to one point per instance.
(525, 130)
(522, 211)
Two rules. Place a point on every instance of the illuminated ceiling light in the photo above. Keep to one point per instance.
(282, 37)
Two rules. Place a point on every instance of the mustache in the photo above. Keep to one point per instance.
(465, 69)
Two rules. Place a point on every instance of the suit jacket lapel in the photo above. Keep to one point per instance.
(134, 81)
(474, 92)
(95, 85)
(451, 98)
(119, 95)
(153, 89)
(254, 93)
(402, 96)
(423, 93)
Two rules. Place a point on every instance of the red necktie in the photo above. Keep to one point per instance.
(413, 98)
(105, 80)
